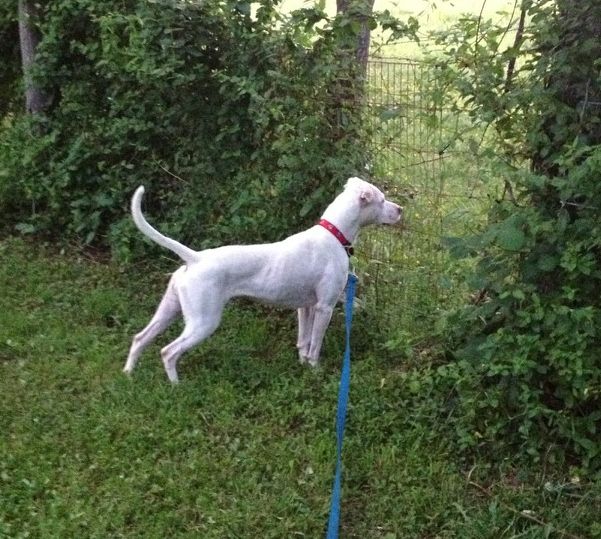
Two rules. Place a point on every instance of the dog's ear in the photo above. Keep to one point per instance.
(364, 190)
(366, 195)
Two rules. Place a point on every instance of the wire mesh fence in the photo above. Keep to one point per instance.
(418, 156)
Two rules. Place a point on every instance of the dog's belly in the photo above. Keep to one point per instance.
(288, 296)
(275, 285)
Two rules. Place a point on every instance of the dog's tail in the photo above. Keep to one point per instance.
(185, 253)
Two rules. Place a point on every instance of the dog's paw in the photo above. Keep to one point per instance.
(303, 354)
(302, 359)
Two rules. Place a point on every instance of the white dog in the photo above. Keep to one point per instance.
(307, 271)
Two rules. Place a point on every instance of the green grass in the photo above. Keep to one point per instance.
(244, 446)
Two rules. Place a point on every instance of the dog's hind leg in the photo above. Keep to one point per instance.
(166, 312)
(201, 320)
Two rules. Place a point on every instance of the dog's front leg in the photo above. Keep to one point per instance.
(305, 328)
(321, 319)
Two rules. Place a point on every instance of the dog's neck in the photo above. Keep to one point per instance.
(344, 217)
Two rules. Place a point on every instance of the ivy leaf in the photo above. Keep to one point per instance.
(244, 8)
(456, 246)
(510, 238)
(312, 201)
(548, 262)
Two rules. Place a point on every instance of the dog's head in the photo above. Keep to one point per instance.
(373, 207)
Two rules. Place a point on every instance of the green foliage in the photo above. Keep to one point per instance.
(238, 107)
(525, 369)
(244, 447)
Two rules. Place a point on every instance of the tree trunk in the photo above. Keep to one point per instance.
(361, 10)
(353, 53)
(36, 99)
(348, 90)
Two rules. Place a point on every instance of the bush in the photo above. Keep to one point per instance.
(226, 116)
(525, 369)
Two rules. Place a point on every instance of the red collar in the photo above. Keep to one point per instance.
(348, 247)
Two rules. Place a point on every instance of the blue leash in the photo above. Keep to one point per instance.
(343, 391)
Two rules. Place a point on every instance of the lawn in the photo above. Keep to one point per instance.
(244, 447)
